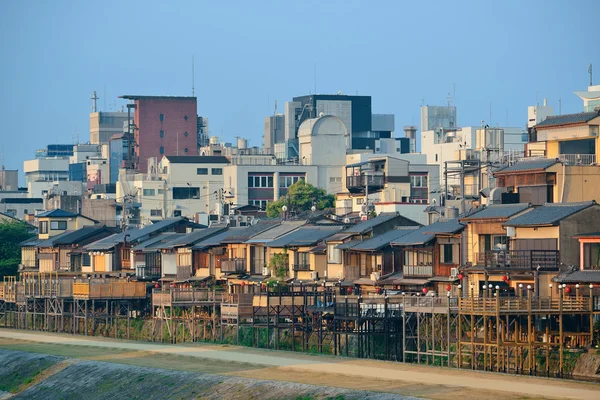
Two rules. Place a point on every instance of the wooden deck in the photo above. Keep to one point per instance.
(524, 305)
(187, 297)
(109, 290)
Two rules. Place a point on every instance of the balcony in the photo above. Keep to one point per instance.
(359, 183)
(541, 260)
(146, 272)
(301, 267)
(233, 265)
(577, 159)
(417, 270)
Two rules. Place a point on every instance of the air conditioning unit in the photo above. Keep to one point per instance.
(266, 271)
(375, 276)
(511, 231)
(453, 272)
(314, 275)
(325, 273)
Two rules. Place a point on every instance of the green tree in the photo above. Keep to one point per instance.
(279, 264)
(300, 197)
(11, 234)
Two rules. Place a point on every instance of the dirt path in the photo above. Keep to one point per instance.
(406, 379)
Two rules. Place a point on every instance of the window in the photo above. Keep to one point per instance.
(183, 193)
(185, 133)
(177, 213)
(201, 171)
(148, 192)
(185, 150)
(259, 181)
(185, 118)
(217, 171)
(156, 213)
(447, 258)
(160, 191)
(161, 117)
(334, 255)
(418, 181)
(44, 227)
(359, 201)
(162, 150)
(12, 212)
(287, 181)
(436, 158)
(162, 133)
(58, 225)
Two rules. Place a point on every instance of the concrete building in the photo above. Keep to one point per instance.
(9, 179)
(164, 125)
(21, 207)
(103, 125)
(591, 98)
(274, 132)
(537, 113)
(434, 118)
(177, 186)
(249, 183)
(323, 142)
(354, 111)
(44, 176)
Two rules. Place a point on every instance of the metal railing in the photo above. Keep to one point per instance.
(233, 265)
(147, 272)
(577, 159)
(541, 260)
(417, 270)
(301, 267)
(361, 181)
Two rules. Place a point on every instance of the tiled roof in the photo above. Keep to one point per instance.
(74, 237)
(305, 236)
(498, 211)
(583, 277)
(380, 241)
(58, 213)
(338, 237)
(427, 233)
(548, 214)
(157, 242)
(275, 232)
(567, 119)
(192, 237)
(367, 225)
(527, 165)
(214, 240)
(348, 245)
(31, 242)
(134, 234)
(243, 234)
(197, 159)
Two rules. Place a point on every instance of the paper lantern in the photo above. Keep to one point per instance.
(461, 276)
(448, 287)
(568, 290)
(425, 290)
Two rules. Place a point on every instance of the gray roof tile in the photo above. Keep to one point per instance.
(548, 214)
(567, 119)
(275, 232)
(529, 165)
(305, 236)
(75, 237)
(368, 225)
(498, 211)
(380, 241)
(585, 276)
(427, 233)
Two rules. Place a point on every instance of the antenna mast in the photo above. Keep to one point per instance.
(95, 101)
(590, 71)
(193, 89)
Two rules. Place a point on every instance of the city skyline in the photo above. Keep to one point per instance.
(249, 56)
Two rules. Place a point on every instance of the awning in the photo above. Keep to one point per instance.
(193, 279)
(409, 281)
(442, 279)
(364, 281)
(250, 280)
(320, 249)
(391, 279)
(348, 245)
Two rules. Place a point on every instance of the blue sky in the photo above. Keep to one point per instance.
(250, 53)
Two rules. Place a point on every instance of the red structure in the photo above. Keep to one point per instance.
(164, 125)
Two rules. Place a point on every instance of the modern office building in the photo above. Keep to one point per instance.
(9, 179)
(274, 132)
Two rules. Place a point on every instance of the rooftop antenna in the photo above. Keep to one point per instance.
(193, 89)
(95, 101)
(590, 71)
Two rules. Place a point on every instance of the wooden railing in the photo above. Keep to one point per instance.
(109, 290)
(186, 295)
(417, 270)
(524, 304)
(541, 260)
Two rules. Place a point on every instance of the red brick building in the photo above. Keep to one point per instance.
(166, 125)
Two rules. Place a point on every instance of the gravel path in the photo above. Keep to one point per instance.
(393, 374)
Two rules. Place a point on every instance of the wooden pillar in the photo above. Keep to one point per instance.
(560, 332)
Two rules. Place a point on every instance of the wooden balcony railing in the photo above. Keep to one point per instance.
(109, 290)
(541, 260)
(172, 296)
(417, 270)
(233, 265)
(524, 304)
